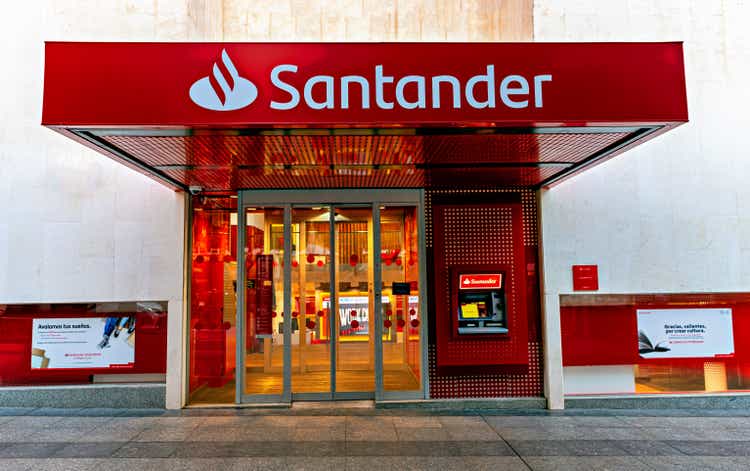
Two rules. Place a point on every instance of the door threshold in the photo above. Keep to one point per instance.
(247, 405)
(317, 405)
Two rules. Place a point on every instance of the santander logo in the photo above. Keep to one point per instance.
(481, 281)
(223, 89)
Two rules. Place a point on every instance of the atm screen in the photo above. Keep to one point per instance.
(475, 305)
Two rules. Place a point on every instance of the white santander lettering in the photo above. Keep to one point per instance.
(365, 87)
(401, 99)
(310, 100)
(538, 80)
(380, 81)
(280, 84)
(455, 90)
(410, 91)
(506, 91)
(489, 78)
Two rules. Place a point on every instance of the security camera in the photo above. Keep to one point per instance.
(195, 190)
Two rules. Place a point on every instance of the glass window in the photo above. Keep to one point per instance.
(685, 344)
(82, 343)
(213, 300)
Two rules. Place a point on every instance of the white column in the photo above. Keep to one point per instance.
(551, 338)
(176, 396)
(176, 358)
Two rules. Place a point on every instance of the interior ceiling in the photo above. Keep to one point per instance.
(228, 160)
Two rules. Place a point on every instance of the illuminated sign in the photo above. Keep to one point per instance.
(481, 281)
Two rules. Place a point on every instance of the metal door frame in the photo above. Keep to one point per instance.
(287, 199)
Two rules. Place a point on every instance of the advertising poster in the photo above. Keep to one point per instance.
(88, 342)
(685, 333)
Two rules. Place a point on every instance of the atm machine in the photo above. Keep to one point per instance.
(479, 304)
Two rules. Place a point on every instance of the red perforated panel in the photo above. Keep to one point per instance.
(527, 384)
(226, 160)
(350, 177)
(483, 177)
(481, 236)
(485, 227)
(569, 147)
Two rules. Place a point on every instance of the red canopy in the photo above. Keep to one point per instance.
(232, 116)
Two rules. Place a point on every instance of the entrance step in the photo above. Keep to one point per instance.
(332, 405)
(511, 403)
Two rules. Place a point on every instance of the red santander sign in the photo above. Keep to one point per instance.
(481, 281)
(361, 84)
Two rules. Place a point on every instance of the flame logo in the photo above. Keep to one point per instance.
(223, 89)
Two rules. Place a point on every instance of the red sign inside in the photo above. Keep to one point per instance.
(376, 85)
(263, 312)
(481, 281)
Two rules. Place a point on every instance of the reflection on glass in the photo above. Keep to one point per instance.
(311, 262)
(401, 296)
(213, 301)
(264, 301)
(355, 358)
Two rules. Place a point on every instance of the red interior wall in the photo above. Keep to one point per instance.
(213, 244)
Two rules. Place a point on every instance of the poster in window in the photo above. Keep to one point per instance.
(685, 333)
(86, 342)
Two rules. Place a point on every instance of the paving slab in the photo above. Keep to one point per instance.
(422, 434)
(295, 463)
(566, 448)
(30, 450)
(494, 463)
(712, 448)
(154, 449)
(31, 421)
(583, 463)
(50, 464)
(88, 450)
(315, 434)
(690, 463)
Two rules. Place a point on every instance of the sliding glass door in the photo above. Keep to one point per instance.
(332, 299)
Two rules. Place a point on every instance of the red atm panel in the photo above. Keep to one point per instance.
(480, 239)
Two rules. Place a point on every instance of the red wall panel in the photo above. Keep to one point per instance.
(480, 236)
(599, 336)
(479, 228)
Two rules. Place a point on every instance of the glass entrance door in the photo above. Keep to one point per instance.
(263, 315)
(312, 257)
(315, 316)
(354, 294)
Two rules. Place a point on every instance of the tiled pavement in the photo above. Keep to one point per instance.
(369, 440)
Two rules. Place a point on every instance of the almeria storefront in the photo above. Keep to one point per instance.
(362, 218)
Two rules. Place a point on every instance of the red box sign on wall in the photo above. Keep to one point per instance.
(585, 277)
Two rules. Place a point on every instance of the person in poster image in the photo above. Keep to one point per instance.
(126, 323)
(114, 325)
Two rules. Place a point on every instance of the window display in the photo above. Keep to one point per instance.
(633, 344)
(81, 343)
